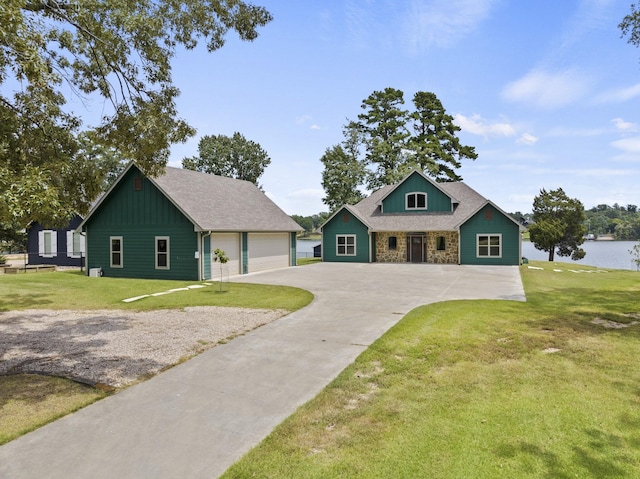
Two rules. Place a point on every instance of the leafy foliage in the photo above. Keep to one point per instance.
(235, 157)
(630, 25)
(623, 222)
(110, 50)
(558, 224)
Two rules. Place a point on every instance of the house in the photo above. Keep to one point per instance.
(60, 247)
(168, 227)
(421, 221)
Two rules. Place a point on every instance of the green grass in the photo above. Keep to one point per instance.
(74, 290)
(306, 261)
(28, 402)
(473, 389)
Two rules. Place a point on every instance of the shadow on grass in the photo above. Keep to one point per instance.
(25, 301)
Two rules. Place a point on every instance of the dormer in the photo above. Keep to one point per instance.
(417, 194)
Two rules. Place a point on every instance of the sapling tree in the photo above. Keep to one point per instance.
(635, 255)
(219, 256)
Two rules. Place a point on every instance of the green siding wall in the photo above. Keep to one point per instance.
(436, 199)
(140, 216)
(345, 223)
(497, 224)
(293, 254)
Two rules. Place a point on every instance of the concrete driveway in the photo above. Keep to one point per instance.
(198, 418)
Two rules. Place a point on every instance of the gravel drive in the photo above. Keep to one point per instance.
(115, 347)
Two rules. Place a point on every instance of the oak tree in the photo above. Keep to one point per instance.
(115, 52)
(234, 156)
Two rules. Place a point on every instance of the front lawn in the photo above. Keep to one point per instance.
(482, 389)
(76, 291)
(29, 401)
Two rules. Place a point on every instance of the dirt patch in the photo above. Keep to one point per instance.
(116, 347)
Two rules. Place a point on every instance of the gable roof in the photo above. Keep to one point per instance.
(436, 185)
(468, 202)
(217, 203)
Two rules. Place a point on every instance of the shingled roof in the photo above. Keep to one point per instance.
(218, 203)
(466, 202)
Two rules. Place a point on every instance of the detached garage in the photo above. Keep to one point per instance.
(169, 226)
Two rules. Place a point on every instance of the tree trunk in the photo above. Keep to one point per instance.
(551, 253)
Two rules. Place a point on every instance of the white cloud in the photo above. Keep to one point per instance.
(315, 127)
(625, 126)
(443, 22)
(619, 95)
(301, 120)
(628, 145)
(544, 89)
(527, 139)
(476, 125)
(307, 193)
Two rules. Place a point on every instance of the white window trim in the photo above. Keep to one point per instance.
(70, 251)
(346, 253)
(489, 235)
(54, 243)
(168, 253)
(121, 265)
(406, 201)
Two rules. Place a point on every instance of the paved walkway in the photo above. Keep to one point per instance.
(197, 419)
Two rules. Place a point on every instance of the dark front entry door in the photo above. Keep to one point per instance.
(416, 249)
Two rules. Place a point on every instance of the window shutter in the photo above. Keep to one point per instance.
(41, 243)
(54, 243)
(70, 244)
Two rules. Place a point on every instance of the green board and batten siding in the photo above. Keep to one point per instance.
(437, 201)
(139, 217)
(490, 220)
(345, 223)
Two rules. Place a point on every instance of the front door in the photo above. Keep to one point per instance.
(416, 249)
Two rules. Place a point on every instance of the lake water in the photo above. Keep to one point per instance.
(603, 254)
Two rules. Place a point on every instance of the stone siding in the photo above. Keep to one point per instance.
(384, 254)
(449, 255)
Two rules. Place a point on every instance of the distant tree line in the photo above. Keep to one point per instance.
(623, 222)
(310, 223)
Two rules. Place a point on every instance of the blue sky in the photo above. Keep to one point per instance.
(546, 91)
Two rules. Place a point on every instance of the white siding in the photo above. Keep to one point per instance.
(230, 244)
(268, 251)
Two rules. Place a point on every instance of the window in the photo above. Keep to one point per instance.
(116, 251)
(346, 245)
(137, 183)
(416, 201)
(441, 244)
(47, 243)
(75, 244)
(393, 243)
(490, 246)
(162, 252)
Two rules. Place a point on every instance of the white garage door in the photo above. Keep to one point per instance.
(230, 244)
(268, 251)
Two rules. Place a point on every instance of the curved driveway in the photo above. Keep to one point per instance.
(198, 418)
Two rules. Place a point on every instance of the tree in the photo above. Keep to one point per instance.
(558, 224)
(114, 51)
(343, 172)
(235, 157)
(305, 221)
(384, 133)
(630, 25)
(397, 140)
(435, 148)
(635, 255)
